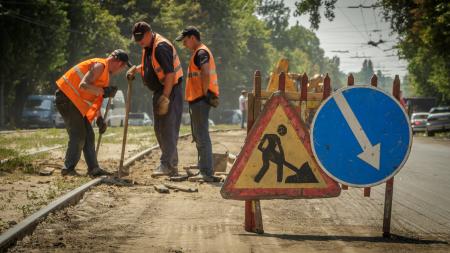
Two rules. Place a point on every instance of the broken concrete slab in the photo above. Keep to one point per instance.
(161, 188)
(47, 171)
(181, 188)
(220, 162)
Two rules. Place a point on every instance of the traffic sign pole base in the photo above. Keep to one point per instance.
(389, 192)
(253, 217)
(367, 192)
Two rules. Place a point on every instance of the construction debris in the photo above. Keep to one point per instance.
(220, 161)
(118, 181)
(161, 188)
(181, 188)
(179, 178)
(47, 171)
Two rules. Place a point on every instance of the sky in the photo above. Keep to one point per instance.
(350, 30)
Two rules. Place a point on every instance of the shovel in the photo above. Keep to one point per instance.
(125, 127)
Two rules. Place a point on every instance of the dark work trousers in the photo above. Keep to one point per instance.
(167, 127)
(199, 111)
(81, 134)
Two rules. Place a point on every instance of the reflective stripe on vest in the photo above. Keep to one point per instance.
(82, 99)
(75, 90)
(79, 73)
(194, 86)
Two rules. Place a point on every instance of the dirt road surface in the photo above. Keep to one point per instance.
(138, 219)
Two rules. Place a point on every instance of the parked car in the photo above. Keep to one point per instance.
(438, 120)
(419, 121)
(230, 116)
(59, 121)
(186, 119)
(40, 111)
(139, 119)
(116, 113)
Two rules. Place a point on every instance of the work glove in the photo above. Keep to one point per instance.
(131, 72)
(101, 125)
(162, 106)
(212, 99)
(110, 91)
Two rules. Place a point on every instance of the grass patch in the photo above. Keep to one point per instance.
(7, 153)
(21, 142)
(57, 188)
(24, 163)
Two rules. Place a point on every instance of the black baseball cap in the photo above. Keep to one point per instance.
(139, 30)
(190, 30)
(121, 55)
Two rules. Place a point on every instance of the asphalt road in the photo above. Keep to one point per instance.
(422, 188)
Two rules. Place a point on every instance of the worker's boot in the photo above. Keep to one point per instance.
(97, 172)
(201, 178)
(69, 172)
(173, 171)
(161, 170)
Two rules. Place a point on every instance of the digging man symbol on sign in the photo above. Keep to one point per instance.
(273, 152)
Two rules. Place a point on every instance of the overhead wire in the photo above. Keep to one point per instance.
(33, 21)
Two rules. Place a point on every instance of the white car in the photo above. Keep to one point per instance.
(186, 120)
(116, 113)
(139, 119)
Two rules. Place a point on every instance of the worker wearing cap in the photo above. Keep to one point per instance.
(202, 92)
(79, 97)
(161, 72)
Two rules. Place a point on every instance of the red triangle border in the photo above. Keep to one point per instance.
(229, 192)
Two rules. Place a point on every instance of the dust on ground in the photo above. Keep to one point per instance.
(23, 190)
(139, 219)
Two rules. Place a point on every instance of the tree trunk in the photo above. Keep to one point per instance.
(2, 102)
(20, 98)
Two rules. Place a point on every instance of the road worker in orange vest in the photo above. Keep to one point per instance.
(79, 97)
(202, 91)
(161, 72)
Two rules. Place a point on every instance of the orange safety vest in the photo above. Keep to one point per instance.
(194, 80)
(155, 64)
(87, 103)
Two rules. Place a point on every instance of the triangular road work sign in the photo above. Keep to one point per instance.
(276, 160)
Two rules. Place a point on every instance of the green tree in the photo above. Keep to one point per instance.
(34, 35)
(423, 39)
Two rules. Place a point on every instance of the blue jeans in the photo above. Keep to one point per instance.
(199, 111)
(167, 127)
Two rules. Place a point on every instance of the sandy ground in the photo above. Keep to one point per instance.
(138, 219)
(23, 193)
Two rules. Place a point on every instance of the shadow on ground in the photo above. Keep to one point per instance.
(377, 239)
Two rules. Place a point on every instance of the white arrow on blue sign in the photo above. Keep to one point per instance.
(361, 136)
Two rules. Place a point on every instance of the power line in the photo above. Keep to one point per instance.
(350, 21)
(364, 22)
(33, 21)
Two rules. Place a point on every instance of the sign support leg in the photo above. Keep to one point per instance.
(249, 216)
(388, 208)
(390, 183)
(253, 217)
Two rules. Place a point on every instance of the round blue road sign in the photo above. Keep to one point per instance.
(361, 136)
